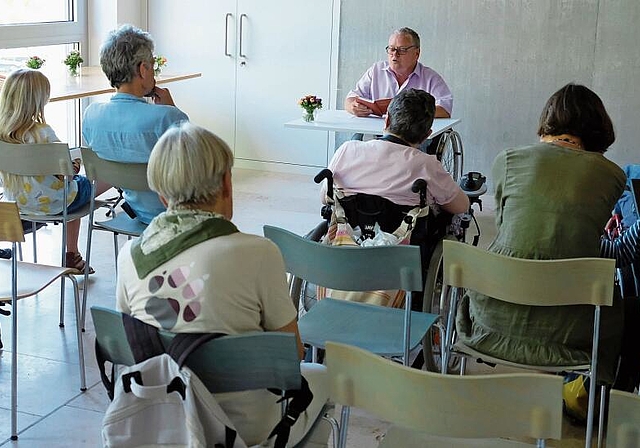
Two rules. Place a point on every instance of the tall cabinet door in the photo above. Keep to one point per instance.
(284, 53)
(200, 36)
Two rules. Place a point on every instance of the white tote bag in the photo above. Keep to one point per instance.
(158, 404)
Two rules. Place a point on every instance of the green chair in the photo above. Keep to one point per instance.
(381, 330)
(576, 281)
(434, 410)
(22, 280)
(623, 427)
(131, 176)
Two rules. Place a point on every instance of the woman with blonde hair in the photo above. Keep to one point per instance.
(24, 94)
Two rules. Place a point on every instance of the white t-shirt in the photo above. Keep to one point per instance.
(230, 284)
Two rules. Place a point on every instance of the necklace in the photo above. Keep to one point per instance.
(564, 140)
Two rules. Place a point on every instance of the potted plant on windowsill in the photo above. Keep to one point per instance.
(73, 61)
(35, 62)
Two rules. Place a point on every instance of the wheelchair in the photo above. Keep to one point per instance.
(365, 211)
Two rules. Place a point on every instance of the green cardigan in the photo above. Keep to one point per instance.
(551, 202)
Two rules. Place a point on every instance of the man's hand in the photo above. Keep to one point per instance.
(355, 108)
(161, 96)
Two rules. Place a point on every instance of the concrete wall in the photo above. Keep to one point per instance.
(503, 58)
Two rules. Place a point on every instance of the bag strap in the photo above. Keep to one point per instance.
(409, 221)
(299, 401)
(109, 383)
(144, 340)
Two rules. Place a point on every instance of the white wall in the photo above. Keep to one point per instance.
(106, 15)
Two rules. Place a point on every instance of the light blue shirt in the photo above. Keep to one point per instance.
(125, 129)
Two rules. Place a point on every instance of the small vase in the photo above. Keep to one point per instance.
(309, 115)
(74, 71)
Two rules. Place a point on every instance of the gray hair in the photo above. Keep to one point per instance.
(409, 32)
(187, 165)
(123, 51)
(411, 115)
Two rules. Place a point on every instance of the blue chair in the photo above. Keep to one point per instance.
(381, 330)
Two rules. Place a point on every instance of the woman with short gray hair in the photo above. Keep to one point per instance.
(193, 271)
(123, 51)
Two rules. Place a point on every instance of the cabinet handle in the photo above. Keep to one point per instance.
(226, 34)
(242, 17)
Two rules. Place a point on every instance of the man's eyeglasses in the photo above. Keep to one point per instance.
(399, 50)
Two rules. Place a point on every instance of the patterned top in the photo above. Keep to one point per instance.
(42, 195)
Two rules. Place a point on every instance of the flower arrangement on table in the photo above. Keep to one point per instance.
(73, 61)
(35, 62)
(158, 63)
(310, 104)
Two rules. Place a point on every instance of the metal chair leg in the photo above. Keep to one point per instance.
(14, 346)
(344, 423)
(335, 429)
(76, 296)
(34, 227)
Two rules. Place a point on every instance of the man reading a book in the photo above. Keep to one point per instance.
(388, 166)
(402, 70)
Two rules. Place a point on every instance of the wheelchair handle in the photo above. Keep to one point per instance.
(325, 174)
(420, 186)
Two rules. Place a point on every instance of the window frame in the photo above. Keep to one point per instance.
(48, 33)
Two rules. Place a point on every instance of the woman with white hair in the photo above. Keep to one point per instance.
(193, 271)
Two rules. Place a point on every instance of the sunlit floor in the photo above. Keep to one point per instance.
(52, 410)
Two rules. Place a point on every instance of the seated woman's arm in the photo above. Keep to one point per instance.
(292, 327)
(459, 203)
(624, 249)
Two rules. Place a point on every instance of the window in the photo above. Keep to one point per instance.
(35, 11)
(48, 29)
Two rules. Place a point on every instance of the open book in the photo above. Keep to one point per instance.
(378, 107)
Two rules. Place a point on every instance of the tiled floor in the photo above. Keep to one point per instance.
(52, 410)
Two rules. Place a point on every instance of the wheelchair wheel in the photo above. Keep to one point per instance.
(432, 303)
(302, 292)
(449, 153)
(303, 295)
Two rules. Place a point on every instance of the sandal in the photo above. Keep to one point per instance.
(74, 260)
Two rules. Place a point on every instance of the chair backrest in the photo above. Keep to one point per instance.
(529, 282)
(10, 224)
(130, 176)
(623, 428)
(473, 406)
(349, 268)
(228, 364)
(36, 159)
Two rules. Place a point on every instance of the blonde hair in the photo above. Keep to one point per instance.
(187, 165)
(24, 94)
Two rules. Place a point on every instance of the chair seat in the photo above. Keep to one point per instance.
(374, 328)
(407, 438)
(32, 278)
(80, 213)
(122, 224)
(462, 348)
